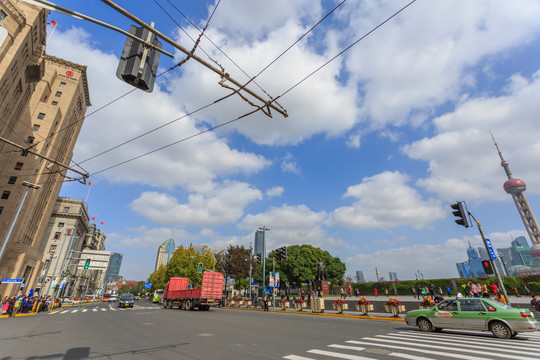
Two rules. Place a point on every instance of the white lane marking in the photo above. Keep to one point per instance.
(346, 347)
(508, 344)
(74, 311)
(94, 309)
(296, 357)
(53, 312)
(85, 310)
(63, 312)
(113, 309)
(409, 357)
(338, 355)
(431, 352)
(465, 348)
(102, 309)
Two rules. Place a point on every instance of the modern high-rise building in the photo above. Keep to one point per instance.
(43, 101)
(113, 270)
(392, 276)
(516, 188)
(518, 256)
(473, 266)
(360, 276)
(164, 253)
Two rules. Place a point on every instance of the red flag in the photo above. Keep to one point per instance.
(53, 23)
(102, 223)
(89, 183)
(94, 218)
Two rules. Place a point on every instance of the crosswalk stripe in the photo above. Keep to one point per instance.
(347, 347)
(432, 352)
(85, 310)
(296, 357)
(74, 311)
(409, 357)
(338, 355)
(113, 309)
(94, 309)
(462, 348)
(65, 311)
(475, 341)
(53, 312)
(102, 309)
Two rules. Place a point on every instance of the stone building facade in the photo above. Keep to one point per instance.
(43, 101)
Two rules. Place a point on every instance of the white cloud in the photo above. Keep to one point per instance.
(384, 201)
(463, 161)
(289, 164)
(224, 205)
(275, 191)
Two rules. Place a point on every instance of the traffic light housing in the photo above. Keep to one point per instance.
(281, 253)
(487, 267)
(87, 264)
(138, 65)
(258, 258)
(460, 213)
(200, 268)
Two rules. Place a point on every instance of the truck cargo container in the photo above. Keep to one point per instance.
(208, 294)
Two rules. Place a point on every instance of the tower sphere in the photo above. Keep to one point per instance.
(514, 186)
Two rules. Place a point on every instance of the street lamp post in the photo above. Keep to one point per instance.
(28, 187)
(264, 230)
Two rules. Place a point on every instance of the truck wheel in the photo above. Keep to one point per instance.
(164, 305)
(188, 305)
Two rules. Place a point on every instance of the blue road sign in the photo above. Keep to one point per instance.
(148, 285)
(254, 284)
(13, 281)
(491, 251)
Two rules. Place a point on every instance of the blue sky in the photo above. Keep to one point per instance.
(376, 147)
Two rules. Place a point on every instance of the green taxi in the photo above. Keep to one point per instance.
(474, 314)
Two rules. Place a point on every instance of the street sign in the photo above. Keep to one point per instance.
(148, 285)
(12, 281)
(254, 284)
(491, 251)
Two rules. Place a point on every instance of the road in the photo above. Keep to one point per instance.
(101, 331)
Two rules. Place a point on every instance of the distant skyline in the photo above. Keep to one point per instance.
(378, 142)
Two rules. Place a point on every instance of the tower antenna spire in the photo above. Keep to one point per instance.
(504, 163)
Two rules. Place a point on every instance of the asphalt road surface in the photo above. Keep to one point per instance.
(102, 331)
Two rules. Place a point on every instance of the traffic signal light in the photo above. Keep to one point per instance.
(87, 264)
(200, 268)
(138, 65)
(258, 257)
(460, 213)
(487, 267)
(281, 253)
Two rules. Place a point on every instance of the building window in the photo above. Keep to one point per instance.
(56, 235)
(66, 209)
(1, 209)
(54, 103)
(62, 84)
(5, 195)
(41, 116)
(53, 247)
(2, 16)
(30, 140)
(60, 225)
(58, 94)
(12, 180)
(19, 166)
(36, 127)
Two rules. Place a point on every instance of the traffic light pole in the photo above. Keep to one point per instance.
(274, 282)
(493, 265)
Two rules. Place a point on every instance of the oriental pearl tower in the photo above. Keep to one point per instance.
(516, 188)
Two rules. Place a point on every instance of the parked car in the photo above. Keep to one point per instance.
(474, 314)
(113, 298)
(126, 300)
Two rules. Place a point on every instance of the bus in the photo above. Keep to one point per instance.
(158, 295)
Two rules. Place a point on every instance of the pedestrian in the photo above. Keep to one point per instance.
(413, 290)
(432, 291)
(319, 292)
(534, 301)
(517, 292)
(527, 291)
(386, 291)
(341, 293)
(11, 305)
(266, 299)
(500, 298)
(350, 291)
(375, 291)
(5, 306)
(418, 291)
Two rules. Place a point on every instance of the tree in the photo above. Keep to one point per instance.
(235, 263)
(185, 263)
(157, 278)
(301, 265)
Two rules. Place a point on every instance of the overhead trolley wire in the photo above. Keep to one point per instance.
(260, 107)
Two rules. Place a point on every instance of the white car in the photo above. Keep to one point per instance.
(113, 298)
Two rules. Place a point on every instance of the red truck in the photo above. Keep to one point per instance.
(209, 294)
